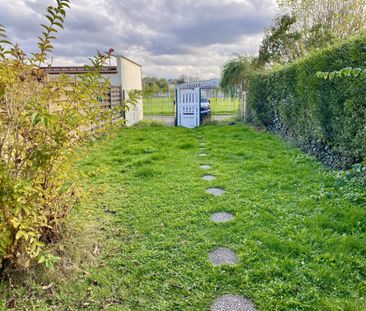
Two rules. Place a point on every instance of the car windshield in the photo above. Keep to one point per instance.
(204, 97)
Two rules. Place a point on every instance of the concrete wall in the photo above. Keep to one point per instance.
(131, 79)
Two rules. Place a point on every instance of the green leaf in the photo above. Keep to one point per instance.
(6, 42)
(363, 74)
(50, 10)
(41, 259)
(21, 234)
(42, 40)
(36, 118)
(45, 27)
(332, 75)
(59, 18)
(347, 71)
(49, 18)
(58, 24)
(62, 11)
(356, 71)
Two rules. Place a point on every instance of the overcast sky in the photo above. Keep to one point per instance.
(167, 37)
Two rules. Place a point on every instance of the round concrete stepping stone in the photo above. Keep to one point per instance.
(222, 217)
(232, 303)
(217, 192)
(208, 177)
(205, 167)
(203, 154)
(223, 256)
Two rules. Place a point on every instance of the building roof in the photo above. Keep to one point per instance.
(130, 60)
(206, 84)
(77, 70)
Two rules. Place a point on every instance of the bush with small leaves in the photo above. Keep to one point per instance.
(41, 122)
(325, 117)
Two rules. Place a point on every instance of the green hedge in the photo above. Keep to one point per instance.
(325, 117)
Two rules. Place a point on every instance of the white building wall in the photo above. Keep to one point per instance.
(131, 79)
(127, 78)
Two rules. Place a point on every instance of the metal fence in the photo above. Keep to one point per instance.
(162, 109)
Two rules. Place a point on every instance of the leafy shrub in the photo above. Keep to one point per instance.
(41, 122)
(324, 117)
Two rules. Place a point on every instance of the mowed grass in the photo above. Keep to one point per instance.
(224, 105)
(301, 244)
(159, 106)
(163, 106)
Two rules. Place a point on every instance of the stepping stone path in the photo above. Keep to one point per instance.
(217, 192)
(232, 303)
(223, 256)
(222, 217)
(208, 177)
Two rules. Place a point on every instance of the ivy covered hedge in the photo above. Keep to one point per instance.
(324, 117)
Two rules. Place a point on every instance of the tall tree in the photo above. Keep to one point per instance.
(310, 24)
(163, 85)
(343, 18)
(281, 44)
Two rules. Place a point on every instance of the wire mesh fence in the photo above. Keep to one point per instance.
(162, 108)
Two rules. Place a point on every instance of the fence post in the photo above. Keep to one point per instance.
(245, 107)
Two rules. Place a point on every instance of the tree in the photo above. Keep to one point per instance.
(149, 82)
(339, 17)
(306, 25)
(185, 79)
(153, 85)
(235, 74)
(281, 43)
(163, 85)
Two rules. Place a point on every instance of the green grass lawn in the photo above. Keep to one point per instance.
(159, 106)
(163, 106)
(301, 244)
(224, 106)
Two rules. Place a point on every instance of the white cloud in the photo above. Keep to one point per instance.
(168, 37)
